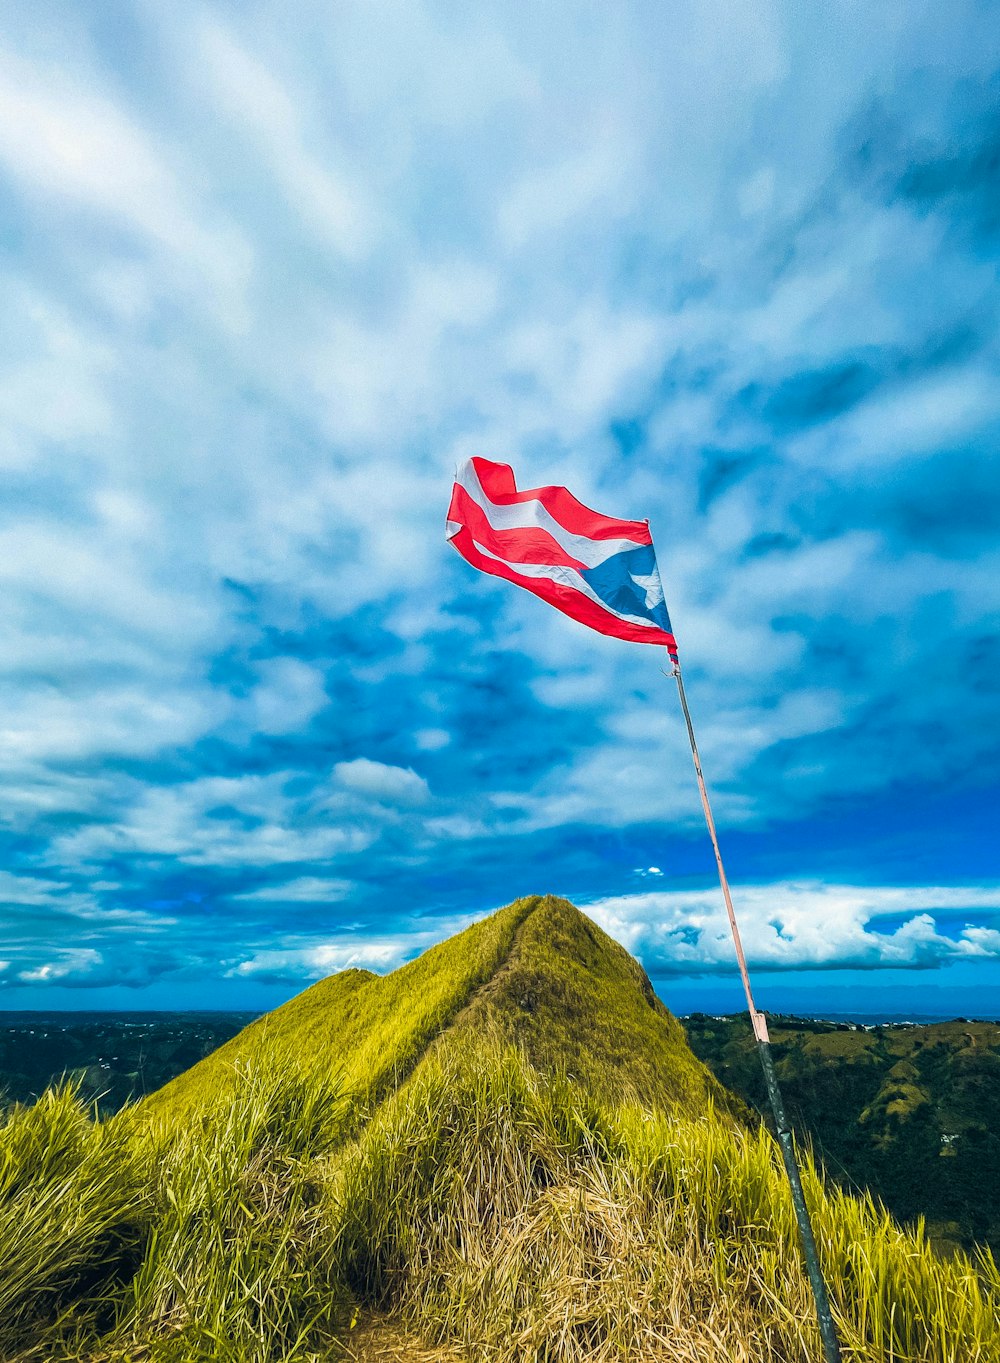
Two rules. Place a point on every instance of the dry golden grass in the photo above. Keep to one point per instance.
(507, 1213)
(384, 1339)
(499, 1207)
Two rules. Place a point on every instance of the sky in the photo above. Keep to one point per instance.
(269, 273)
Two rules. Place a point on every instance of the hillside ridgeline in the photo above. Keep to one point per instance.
(538, 974)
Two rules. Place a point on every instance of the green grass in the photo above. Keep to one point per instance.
(577, 1002)
(369, 1030)
(74, 1200)
(493, 1205)
(488, 1204)
(488, 1166)
(911, 1113)
(239, 1263)
(537, 972)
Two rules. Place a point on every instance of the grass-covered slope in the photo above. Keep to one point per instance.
(504, 1146)
(577, 1003)
(368, 1029)
(495, 1208)
(910, 1112)
(537, 973)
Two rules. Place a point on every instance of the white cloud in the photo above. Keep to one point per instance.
(265, 298)
(419, 75)
(255, 100)
(30, 890)
(315, 962)
(391, 785)
(299, 958)
(62, 906)
(375, 376)
(57, 387)
(929, 414)
(69, 963)
(248, 821)
(36, 793)
(791, 925)
(302, 890)
(87, 572)
(460, 827)
(431, 740)
(582, 366)
(75, 144)
(48, 724)
(976, 941)
(598, 179)
(287, 696)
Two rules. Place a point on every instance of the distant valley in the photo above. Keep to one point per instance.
(110, 1057)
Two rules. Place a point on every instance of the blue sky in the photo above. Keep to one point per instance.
(269, 272)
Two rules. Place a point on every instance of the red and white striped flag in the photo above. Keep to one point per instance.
(599, 570)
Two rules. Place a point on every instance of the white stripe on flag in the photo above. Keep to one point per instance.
(569, 577)
(527, 515)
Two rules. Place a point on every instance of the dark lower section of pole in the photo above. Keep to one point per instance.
(828, 1333)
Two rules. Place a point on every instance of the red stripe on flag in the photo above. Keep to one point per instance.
(498, 483)
(526, 544)
(572, 603)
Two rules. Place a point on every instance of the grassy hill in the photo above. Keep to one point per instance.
(538, 974)
(504, 1149)
(912, 1112)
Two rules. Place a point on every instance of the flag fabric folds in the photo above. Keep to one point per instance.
(599, 570)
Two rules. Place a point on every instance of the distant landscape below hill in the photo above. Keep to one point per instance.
(910, 1112)
(907, 1108)
(112, 1057)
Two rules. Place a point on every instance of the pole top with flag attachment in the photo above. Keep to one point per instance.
(597, 569)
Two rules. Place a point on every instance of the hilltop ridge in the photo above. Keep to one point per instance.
(537, 973)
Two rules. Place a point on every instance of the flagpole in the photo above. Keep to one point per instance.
(828, 1333)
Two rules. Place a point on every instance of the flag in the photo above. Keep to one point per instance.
(596, 569)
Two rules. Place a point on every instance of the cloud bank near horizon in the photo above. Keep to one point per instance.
(265, 284)
(786, 926)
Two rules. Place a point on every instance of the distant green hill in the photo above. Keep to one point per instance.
(538, 974)
(505, 1151)
(911, 1112)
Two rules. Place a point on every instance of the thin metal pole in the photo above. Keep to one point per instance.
(828, 1333)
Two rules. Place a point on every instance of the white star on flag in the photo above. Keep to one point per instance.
(650, 584)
